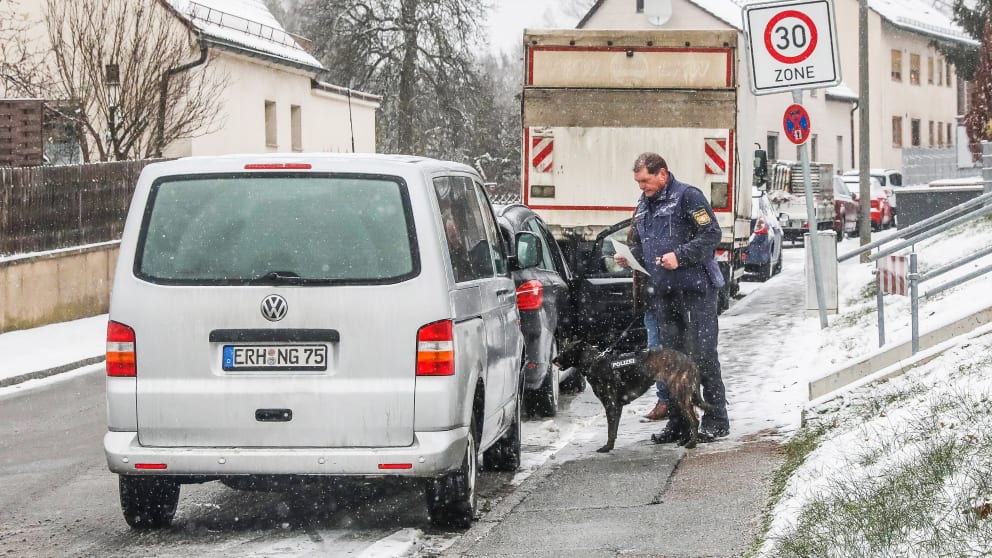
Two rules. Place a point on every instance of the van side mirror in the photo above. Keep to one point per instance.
(528, 251)
(760, 168)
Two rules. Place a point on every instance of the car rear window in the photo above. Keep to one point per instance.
(277, 229)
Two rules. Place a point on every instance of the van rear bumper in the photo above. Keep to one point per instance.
(432, 453)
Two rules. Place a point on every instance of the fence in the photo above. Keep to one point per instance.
(43, 208)
(924, 165)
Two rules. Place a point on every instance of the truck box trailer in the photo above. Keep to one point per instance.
(593, 100)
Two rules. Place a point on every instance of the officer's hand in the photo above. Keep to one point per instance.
(620, 260)
(669, 261)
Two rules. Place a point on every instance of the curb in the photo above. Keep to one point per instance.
(7, 382)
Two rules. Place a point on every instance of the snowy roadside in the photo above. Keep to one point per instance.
(51, 349)
(899, 467)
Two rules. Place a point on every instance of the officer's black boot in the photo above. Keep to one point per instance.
(713, 427)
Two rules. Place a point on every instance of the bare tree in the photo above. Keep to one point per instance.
(21, 62)
(419, 54)
(109, 60)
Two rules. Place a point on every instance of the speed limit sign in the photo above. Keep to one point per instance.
(791, 45)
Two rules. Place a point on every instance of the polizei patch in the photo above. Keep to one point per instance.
(622, 363)
(701, 217)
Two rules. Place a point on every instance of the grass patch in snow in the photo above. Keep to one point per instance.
(920, 485)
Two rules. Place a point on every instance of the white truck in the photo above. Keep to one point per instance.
(595, 99)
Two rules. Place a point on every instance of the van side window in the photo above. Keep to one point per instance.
(464, 228)
(496, 245)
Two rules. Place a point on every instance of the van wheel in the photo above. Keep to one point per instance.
(778, 264)
(544, 400)
(504, 455)
(451, 499)
(764, 272)
(148, 502)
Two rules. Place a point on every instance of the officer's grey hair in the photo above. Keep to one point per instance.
(650, 161)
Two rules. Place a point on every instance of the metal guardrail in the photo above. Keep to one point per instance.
(928, 228)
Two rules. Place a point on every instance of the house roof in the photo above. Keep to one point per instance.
(246, 25)
(917, 16)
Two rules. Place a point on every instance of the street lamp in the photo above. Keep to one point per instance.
(112, 83)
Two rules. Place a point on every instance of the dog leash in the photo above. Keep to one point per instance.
(619, 337)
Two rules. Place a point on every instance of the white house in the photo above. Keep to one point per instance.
(913, 92)
(274, 99)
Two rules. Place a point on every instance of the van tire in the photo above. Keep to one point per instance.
(148, 502)
(504, 455)
(451, 498)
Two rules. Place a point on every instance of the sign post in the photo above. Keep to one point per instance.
(791, 46)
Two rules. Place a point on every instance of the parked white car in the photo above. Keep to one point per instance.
(312, 316)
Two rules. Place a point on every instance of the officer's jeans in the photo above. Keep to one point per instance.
(688, 323)
(654, 340)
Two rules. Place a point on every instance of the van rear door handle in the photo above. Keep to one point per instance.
(273, 415)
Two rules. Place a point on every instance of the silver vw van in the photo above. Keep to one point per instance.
(312, 316)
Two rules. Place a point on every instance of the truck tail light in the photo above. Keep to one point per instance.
(436, 349)
(530, 295)
(120, 351)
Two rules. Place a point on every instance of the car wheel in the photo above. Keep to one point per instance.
(777, 268)
(451, 499)
(504, 455)
(148, 502)
(764, 272)
(544, 400)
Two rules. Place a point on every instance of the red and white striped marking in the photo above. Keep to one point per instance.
(716, 155)
(892, 272)
(540, 153)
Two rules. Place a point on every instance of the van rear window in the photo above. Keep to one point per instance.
(277, 229)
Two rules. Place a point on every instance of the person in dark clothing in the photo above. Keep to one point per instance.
(674, 236)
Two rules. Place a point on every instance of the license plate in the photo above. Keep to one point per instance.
(275, 357)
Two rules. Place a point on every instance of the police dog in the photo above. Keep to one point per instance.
(619, 379)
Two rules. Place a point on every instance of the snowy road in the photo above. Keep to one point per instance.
(57, 497)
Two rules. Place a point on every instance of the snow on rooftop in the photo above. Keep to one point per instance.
(244, 23)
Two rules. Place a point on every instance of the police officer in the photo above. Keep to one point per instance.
(674, 235)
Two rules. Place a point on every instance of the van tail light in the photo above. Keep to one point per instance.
(120, 351)
(436, 349)
(760, 227)
(530, 295)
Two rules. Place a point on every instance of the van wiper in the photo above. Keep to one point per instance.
(285, 277)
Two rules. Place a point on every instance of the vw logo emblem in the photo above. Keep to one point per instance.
(274, 308)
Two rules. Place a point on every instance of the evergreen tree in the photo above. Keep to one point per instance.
(978, 120)
(971, 15)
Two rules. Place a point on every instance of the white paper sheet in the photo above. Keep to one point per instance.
(623, 250)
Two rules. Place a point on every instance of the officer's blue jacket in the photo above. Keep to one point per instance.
(677, 219)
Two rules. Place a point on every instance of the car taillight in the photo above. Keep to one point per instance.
(120, 351)
(530, 295)
(436, 349)
(760, 227)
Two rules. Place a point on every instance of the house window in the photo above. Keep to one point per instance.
(296, 124)
(640, 6)
(896, 65)
(914, 132)
(271, 128)
(940, 71)
(940, 134)
(930, 70)
(896, 131)
(950, 138)
(914, 69)
(947, 82)
(772, 143)
(931, 133)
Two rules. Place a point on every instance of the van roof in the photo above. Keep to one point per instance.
(354, 162)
